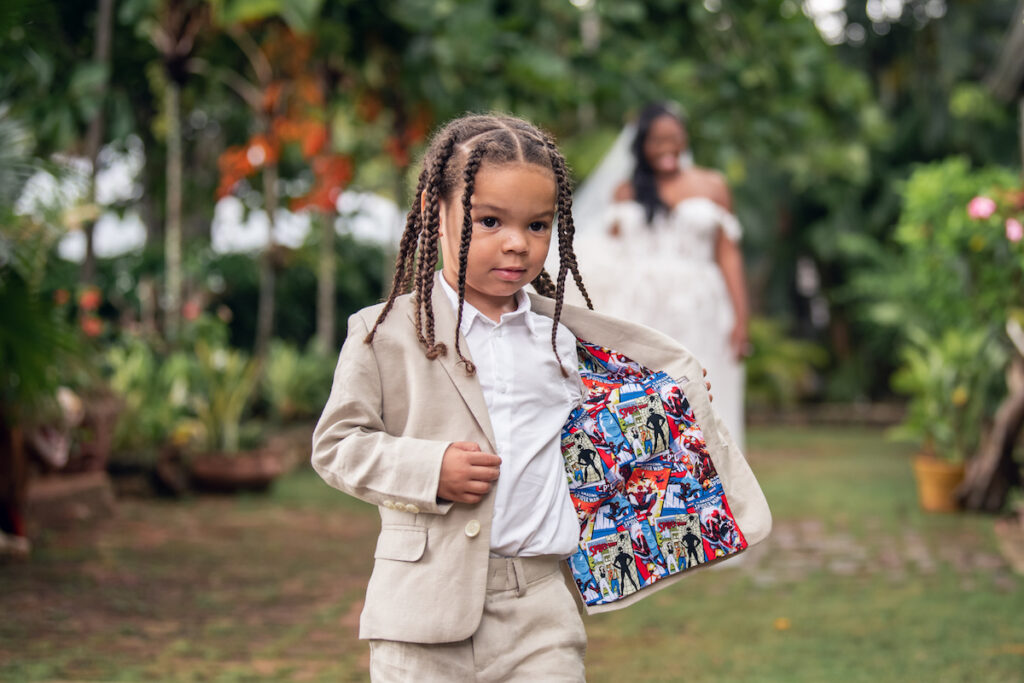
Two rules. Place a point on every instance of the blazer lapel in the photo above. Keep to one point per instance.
(468, 386)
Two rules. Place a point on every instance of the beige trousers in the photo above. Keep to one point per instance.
(531, 630)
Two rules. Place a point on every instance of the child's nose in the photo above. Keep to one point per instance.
(515, 241)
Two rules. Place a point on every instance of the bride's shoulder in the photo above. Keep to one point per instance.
(714, 186)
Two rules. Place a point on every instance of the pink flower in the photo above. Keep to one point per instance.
(91, 325)
(1014, 230)
(981, 207)
(191, 310)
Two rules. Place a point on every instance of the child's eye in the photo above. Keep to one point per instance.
(489, 222)
(538, 226)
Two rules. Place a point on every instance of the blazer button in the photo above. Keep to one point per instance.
(390, 505)
(472, 528)
(409, 507)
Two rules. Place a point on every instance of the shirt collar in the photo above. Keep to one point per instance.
(470, 312)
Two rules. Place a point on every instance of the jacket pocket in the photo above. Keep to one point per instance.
(402, 543)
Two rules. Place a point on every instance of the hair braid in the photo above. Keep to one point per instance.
(450, 166)
(406, 256)
(543, 284)
(428, 253)
(566, 226)
(469, 180)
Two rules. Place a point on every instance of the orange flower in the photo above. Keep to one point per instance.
(368, 107)
(262, 151)
(90, 299)
(418, 128)
(332, 173)
(286, 129)
(309, 91)
(272, 95)
(314, 138)
(397, 150)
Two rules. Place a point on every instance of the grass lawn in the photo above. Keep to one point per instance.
(855, 584)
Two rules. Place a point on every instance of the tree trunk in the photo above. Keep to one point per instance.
(172, 231)
(268, 276)
(14, 476)
(993, 471)
(326, 285)
(94, 136)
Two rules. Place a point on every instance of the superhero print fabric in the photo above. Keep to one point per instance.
(649, 501)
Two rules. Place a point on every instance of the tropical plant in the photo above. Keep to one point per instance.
(297, 384)
(954, 381)
(224, 381)
(781, 370)
(153, 396)
(948, 293)
(35, 338)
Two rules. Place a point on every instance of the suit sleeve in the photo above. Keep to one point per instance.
(352, 450)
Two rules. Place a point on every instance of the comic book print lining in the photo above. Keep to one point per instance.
(649, 501)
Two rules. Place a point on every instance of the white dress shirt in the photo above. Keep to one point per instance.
(529, 402)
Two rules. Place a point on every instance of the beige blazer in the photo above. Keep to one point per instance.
(382, 435)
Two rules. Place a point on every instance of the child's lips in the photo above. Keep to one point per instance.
(510, 274)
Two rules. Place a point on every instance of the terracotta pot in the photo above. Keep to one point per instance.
(937, 481)
(246, 471)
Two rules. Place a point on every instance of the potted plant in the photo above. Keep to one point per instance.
(153, 400)
(953, 382)
(227, 454)
(947, 294)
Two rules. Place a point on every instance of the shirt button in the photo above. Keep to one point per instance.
(472, 528)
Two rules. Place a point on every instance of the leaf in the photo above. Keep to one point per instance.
(300, 15)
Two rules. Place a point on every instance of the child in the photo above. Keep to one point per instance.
(447, 410)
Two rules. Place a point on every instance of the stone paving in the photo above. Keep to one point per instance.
(797, 549)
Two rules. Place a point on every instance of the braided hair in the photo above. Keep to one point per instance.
(645, 188)
(451, 163)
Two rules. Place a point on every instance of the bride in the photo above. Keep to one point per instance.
(657, 244)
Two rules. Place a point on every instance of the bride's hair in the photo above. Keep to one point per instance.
(645, 189)
(450, 164)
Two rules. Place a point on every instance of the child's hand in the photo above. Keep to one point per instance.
(466, 473)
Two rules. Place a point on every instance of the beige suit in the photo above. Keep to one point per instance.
(383, 433)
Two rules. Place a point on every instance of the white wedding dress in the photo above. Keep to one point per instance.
(665, 276)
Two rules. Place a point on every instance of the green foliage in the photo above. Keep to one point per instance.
(781, 370)
(950, 269)
(36, 341)
(953, 382)
(222, 383)
(153, 394)
(948, 293)
(359, 281)
(300, 15)
(296, 384)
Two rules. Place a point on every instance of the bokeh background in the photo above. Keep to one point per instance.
(195, 194)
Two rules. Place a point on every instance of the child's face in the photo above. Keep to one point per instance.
(513, 212)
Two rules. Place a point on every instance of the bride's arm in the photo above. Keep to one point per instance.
(730, 261)
(623, 193)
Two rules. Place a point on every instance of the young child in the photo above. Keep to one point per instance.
(447, 410)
